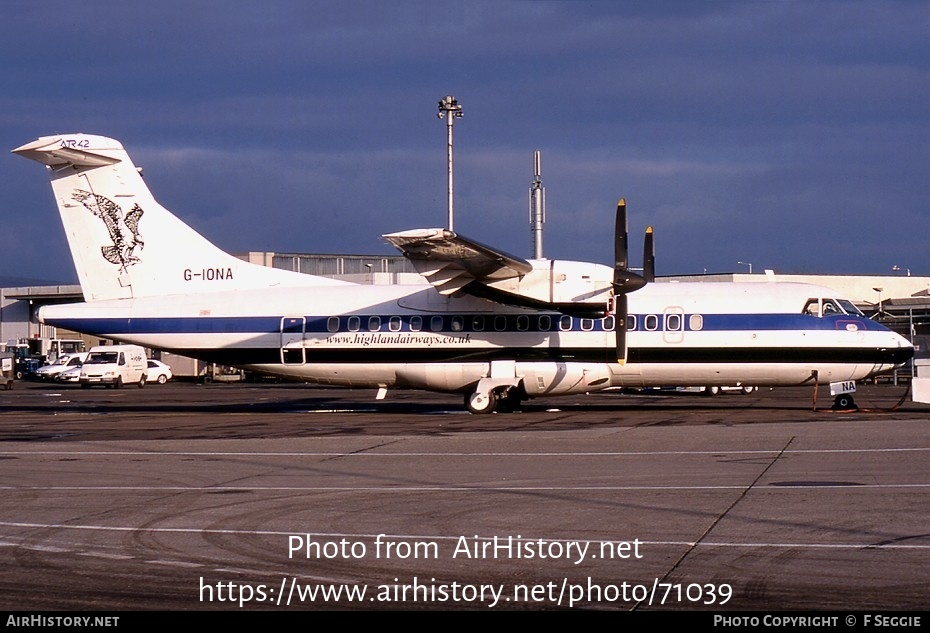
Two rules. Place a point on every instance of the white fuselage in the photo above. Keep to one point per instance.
(490, 325)
(411, 336)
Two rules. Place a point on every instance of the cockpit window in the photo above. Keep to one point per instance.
(850, 308)
(830, 307)
(827, 307)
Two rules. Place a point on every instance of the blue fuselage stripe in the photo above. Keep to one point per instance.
(320, 324)
(460, 341)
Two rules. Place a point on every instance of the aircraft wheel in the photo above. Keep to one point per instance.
(844, 402)
(480, 403)
(711, 391)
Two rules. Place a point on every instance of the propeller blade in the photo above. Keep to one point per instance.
(620, 310)
(621, 261)
(649, 257)
(626, 281)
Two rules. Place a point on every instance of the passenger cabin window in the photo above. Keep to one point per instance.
(673, 322)
(545, 322)
(458, 324)
(523, 323)
(565, 323)
(696, 321)
(354, 323)
(608, 323)
(374, 324)
(500, 323)
(332, 324)
(652, 322)
(416, 323)
(630, 322)
(477, 323)
(435, 324)
(394, 324)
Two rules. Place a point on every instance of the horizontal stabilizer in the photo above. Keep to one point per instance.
(56, 152)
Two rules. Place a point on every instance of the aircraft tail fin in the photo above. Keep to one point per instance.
(123, 242)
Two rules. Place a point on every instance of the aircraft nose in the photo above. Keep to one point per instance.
(903, 352)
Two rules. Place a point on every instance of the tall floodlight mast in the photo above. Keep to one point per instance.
(537, 207)
(449, 109)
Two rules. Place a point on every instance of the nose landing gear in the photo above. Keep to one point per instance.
(844, 402)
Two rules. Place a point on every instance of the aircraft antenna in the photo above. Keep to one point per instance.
(449, 109)
(537, 207)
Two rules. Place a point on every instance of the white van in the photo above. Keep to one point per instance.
(114, 366)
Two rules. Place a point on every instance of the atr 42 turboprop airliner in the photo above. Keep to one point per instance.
(491, 326)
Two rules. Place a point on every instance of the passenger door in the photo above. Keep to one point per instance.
(292, 340)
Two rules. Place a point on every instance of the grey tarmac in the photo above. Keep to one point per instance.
(251, 496)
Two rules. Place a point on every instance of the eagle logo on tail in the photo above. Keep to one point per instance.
(122, 227)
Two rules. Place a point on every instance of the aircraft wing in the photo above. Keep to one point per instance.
(450, 262)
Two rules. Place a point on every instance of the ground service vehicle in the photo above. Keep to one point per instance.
(6, 370)
(25, 363)
(114, 366)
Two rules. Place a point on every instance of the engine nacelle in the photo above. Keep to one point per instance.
(537, 378)
(441, 376)
(559, 281)
(563, 378)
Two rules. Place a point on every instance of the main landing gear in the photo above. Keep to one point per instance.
(507, 401)
(480, 402)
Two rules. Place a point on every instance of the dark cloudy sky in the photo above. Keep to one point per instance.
(790, 134)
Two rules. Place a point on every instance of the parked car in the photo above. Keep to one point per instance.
(64, 362)
(158, 372)
(71, 375)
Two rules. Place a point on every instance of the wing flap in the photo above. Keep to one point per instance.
(447, 279)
